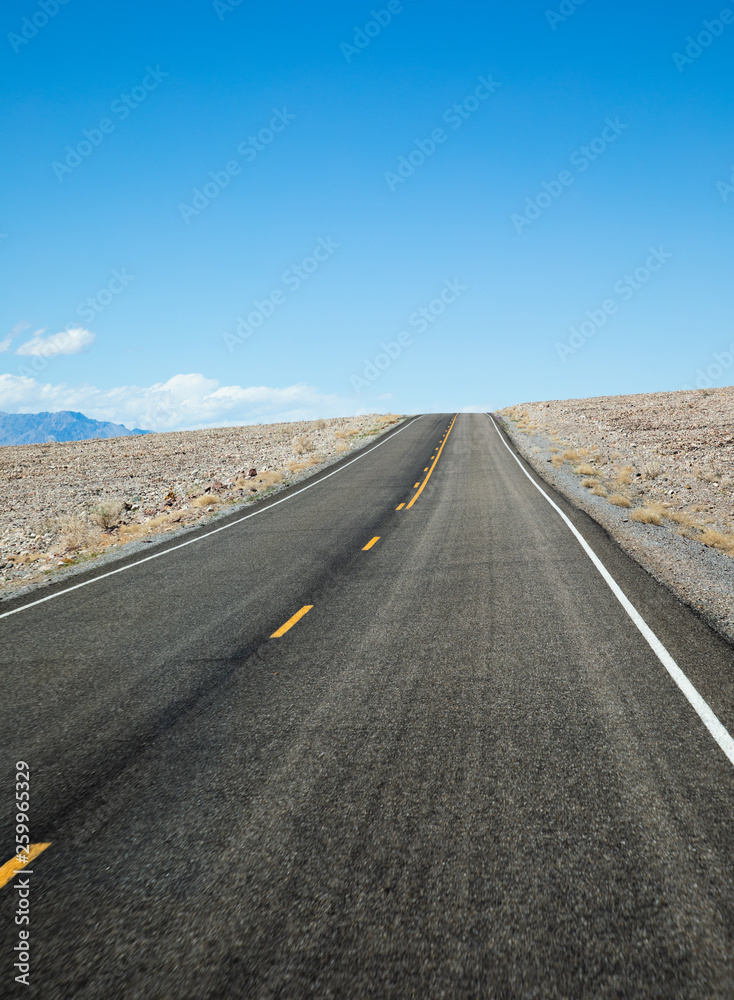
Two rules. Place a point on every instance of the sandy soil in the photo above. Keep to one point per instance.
(657, 470)
(62, 504)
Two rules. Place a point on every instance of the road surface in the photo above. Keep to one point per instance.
(463, 772)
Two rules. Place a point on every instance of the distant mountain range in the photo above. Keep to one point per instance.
(36, 428)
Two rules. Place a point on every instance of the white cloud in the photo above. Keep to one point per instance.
(5, 344)
(183, 402)
(66, 342)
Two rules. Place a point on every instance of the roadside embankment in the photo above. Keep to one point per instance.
(63, 504)
(657, 471)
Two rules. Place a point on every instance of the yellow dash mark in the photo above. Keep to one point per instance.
(11, 868)
(400, 507)
(292, 621)
(426, 469)
(416, 486)
(433, 466)
(372, 542)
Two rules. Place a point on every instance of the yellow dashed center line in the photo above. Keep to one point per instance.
(11, 868)
(400, 506)
(433, 466)
(372, 542)
(291, 621)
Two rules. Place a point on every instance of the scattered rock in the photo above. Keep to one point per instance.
(63, 483)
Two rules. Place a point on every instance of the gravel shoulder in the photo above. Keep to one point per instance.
(656, 470)
(66, 506)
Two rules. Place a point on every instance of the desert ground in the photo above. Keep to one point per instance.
(64, 503)
(657, 470)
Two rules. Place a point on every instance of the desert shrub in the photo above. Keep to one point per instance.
(585, 469)
(598, 491)
(709, 474)
(106, 514)
(75, 533)
(619, 501)
(589, 484)
(302, 444)
(650, 470)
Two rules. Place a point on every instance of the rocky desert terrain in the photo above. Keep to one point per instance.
(63, 504)
(656, 470)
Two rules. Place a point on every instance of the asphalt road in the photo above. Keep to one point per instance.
(463, 773)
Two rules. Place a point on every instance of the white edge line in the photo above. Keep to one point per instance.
(208, 534)
(701, 707)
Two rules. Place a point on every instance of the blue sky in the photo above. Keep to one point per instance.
(306, 166)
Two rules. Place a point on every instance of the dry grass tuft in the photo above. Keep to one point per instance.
(584, 469)
(129, 532)
(598, 491)
(624, 476)
(619, 501)
(646, 516)
(268, 478)
(570, 455)
(680, 517)
(589, 484)
(204, 501)
(717, 540)
(557, 461)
